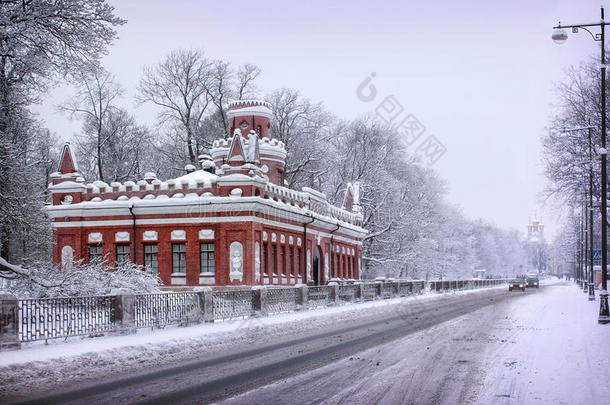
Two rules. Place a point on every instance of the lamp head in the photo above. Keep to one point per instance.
(559, 36)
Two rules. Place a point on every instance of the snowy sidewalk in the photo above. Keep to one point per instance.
(554, 352)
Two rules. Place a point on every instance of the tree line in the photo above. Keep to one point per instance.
(569, 158)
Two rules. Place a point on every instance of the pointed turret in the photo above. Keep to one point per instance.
(67, 162)
(67, 184)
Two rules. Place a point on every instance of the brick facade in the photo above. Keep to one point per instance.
(237, 210)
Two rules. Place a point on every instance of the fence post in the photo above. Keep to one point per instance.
(358, 291)
(333, 293)
(9, 322)
(124, 310)
(394, 284)
(301, 297)
(378, 289)
(259, 293)
(205, 295)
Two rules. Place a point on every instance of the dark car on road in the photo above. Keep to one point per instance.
(532, 281)
(516, 284)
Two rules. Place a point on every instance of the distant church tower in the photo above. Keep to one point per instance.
(535, 231)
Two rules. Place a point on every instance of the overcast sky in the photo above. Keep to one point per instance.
(477, 74)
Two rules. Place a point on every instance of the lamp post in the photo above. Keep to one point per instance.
(589, 280)
(585, 259)
(560, 36)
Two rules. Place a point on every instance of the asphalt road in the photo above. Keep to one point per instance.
(218, 376)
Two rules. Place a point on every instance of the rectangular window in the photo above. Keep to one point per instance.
(95, 254)
(280, 178)
(273, 259)
(179, 257)
(207, 258)
(283, 259)
(349, 267)
(291, 258)
(337, 269)
(151, 258)
(264, 260)
(122, 254)
(299, 261)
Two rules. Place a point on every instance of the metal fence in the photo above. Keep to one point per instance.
(160, 310)
(233, 304)
(347, 293)
(280, 300)
(318, 296)
(369, 291)
(387, 290)
(49, 318)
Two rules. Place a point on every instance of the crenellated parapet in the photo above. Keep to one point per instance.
(313, 201)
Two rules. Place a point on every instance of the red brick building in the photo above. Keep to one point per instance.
(232, 221)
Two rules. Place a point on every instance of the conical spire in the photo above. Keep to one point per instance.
(67, 161)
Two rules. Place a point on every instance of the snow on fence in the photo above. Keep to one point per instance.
(50, 318)
(27, 320)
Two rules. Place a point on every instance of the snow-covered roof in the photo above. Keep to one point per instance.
(198, 176)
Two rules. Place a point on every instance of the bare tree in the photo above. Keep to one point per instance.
(180, 84)
(220, 89)
(305, 128)
(124, 148)
(566, 154)
(94, 103)
(226, 86)
(246, 75)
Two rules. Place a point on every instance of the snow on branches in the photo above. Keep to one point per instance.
(78, 279)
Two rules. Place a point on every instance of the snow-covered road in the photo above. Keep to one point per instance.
(488, 347)
(538, 348)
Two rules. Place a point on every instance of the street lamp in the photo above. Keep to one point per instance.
(560, 36)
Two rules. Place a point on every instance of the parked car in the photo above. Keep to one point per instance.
(516, 284)
(532, 281)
